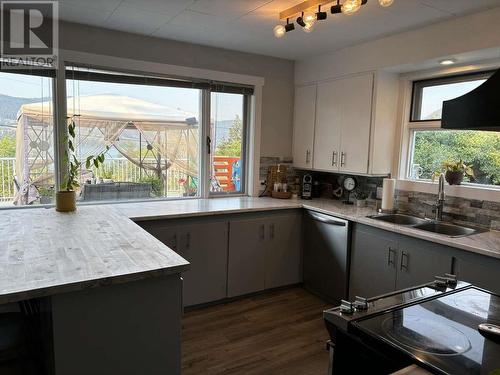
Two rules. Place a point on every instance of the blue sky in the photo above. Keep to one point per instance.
(433, 96)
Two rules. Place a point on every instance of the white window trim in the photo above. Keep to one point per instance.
(123, 64)
(467, 191)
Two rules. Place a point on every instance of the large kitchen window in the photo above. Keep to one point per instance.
(430, 146)
(148, 129)
(162, 137)
(26, 138)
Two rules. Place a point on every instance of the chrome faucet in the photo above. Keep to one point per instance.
(440, 199)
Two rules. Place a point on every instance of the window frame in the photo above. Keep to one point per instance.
(244, 155)
(419, 85)
(206, 87)
(405, 136)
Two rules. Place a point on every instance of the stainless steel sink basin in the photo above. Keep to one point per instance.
(446, 229)
(451, 230)
(399, 219)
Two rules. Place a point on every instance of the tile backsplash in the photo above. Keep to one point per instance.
(485, 214)
(460, 210)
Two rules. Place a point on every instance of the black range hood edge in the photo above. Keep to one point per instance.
(479, 109)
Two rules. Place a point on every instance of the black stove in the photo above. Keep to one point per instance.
(434, 326)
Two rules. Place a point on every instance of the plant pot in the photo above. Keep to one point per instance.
(65, 201)
(454, 178)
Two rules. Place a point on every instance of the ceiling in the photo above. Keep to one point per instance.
(247, 25)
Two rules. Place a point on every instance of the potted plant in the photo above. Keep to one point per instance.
(66, 198)
(454, 172)
(361, 197)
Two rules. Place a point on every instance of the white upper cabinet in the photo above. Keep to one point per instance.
(356, 115)
(327, 128)
(354, 124)
(303, 126)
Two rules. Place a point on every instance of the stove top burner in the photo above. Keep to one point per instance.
(425, 335)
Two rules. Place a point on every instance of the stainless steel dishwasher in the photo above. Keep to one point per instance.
(326, 256)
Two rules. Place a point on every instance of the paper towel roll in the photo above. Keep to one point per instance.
(388, 189)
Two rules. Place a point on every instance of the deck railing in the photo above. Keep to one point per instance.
(118, 169)
(122, 170)
(7, 188)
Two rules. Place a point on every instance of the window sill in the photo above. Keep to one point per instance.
(484, 193)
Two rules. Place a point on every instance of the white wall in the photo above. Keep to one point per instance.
(277, 107)
(458, 36)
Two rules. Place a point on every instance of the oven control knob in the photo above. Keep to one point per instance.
(451, 279)
(346, 307)
(446, 280)
(361, 303)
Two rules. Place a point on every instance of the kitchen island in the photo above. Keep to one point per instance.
(113, 291)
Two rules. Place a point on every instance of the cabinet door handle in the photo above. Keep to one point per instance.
(188, 241)
(390, 258)
(404, 261)
(262, 231)
(334, 158)
(308, 156)
(342, 158)
(271, 231)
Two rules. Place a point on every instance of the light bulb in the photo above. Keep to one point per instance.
(309, 17)
(310, 20)
(351, 6)
(308, 27)
(385, 3)
(279, 31)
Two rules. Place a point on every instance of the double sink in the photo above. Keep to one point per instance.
(438, 227)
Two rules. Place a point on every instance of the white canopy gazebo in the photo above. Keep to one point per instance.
(152, 136)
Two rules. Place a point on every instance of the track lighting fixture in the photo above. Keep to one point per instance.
(306, 19)
(300, 20)
(320, 16)
(337, 8)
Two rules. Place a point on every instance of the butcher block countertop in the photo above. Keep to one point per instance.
(43, 252)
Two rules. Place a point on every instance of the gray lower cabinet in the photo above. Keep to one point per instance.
(233, 255)
(283, 251)
(383, 261)
(373, 262)
(479, 270)
(420, 261)
(264, 252)
(204, 244)
(247, 256)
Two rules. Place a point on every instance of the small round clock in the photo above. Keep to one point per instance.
(350, 184)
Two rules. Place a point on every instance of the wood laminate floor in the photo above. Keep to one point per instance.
(280, 332)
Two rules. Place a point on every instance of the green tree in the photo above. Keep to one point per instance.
(480, 150)
(8, 146)
(232, 145)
